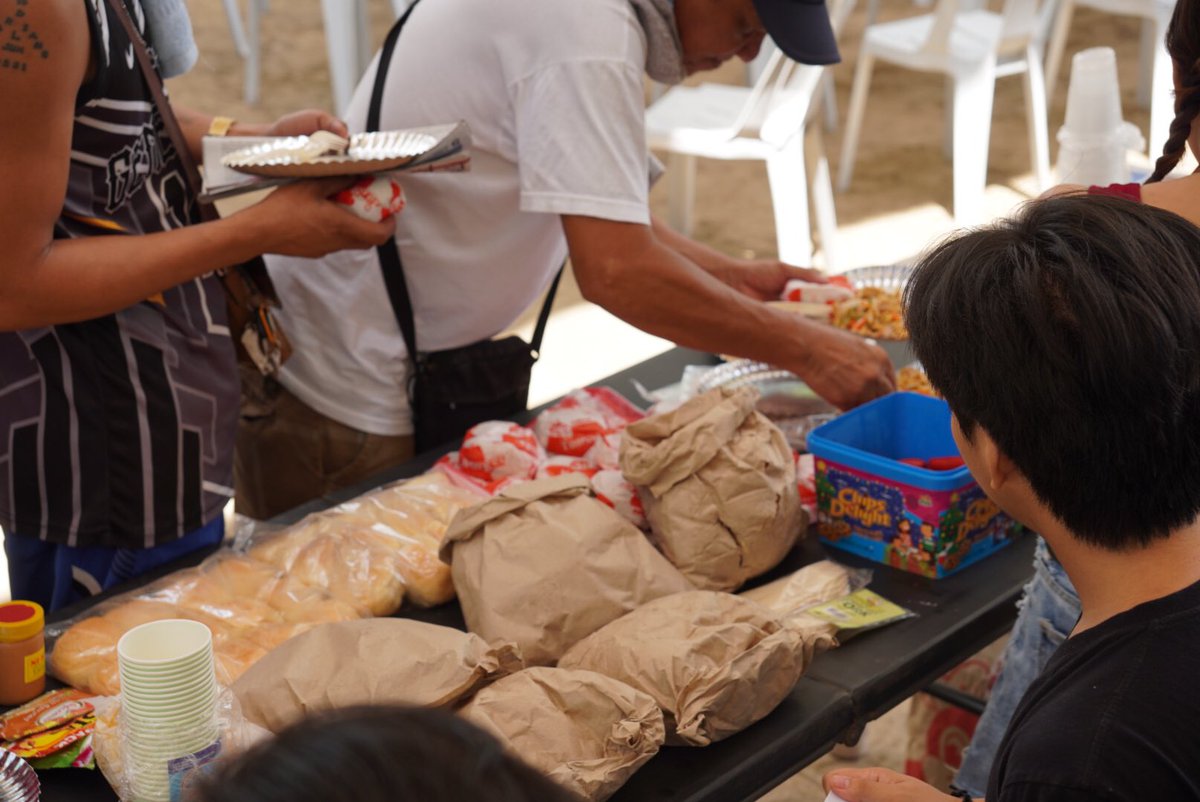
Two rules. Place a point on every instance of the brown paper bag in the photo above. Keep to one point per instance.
(587, 732)
(714, 662)
(718, 482)
(544, 564)
(375, 661)
(789, 596)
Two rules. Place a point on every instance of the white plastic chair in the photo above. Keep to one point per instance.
(1155, 87)
(972, 48)
(767, 121)
(348, 43)
(246, 39)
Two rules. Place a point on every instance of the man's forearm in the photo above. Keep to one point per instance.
(711, 260)
(661, 293)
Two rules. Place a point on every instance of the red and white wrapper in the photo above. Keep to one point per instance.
(449, 466)
(374, 198)
(616, 491)
(495, 450)
(605, 453)
(559, 465)
(806, 483)
(809, 293)
(573, 425)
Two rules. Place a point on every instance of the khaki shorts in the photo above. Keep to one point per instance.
(288, 453)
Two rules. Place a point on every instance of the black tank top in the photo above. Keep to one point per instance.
(119, 431)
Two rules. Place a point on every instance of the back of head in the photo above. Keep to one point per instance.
(1071, 334)
(379, 754)
(1183, 43)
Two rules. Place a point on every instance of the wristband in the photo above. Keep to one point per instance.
(963, 795)
(220, 126)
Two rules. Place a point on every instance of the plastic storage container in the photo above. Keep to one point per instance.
(925, 521)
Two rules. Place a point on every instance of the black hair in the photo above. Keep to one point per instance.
(1071, 334)
(379, 754)
(1183, 44)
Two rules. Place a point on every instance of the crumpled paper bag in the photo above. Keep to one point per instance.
(714, 662)
(544, 564)
(718, 483)
(585, 731)
(788, 597)
(374, 661)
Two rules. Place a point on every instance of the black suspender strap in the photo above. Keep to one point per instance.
(389, 253)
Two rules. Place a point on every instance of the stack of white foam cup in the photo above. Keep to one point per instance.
(1094, 139)
(168, 704)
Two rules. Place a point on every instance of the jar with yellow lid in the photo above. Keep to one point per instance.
(22, 652)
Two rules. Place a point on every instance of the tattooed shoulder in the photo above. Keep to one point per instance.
(20, 45)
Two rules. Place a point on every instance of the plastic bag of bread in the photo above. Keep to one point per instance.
(544, 564)
(718, 483)
(409, 520)
(573, 425)
(387, 660)
(84, 656)
(245, 592)
(714, 662)
(338, 556)
(586, 731)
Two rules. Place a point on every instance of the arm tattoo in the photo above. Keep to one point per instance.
(20, 45)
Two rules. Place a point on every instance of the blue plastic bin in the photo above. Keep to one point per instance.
(924, 521)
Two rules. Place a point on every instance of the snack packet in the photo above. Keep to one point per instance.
(47, 712)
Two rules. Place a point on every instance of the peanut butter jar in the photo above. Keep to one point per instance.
(22, 652)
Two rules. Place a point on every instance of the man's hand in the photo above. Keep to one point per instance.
(301, 123)
(845, 369)
(299, 220)
(764, 279)
(880, 785)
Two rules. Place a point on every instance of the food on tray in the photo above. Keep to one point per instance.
(872, 312)
(718, 484)
(544, 564)
(913, 379)
(714, 662)
(373, 661)
(586, 731)
(495, 450)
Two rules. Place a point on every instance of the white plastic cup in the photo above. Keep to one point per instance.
(1093, 96)
(1097, 161)
(164, 644)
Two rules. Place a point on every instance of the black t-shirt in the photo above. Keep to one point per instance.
(1115, 715)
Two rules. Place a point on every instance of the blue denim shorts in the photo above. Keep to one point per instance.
(1049, 610)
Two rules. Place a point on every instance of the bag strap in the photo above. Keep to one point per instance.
(155, 84)
(389, 252)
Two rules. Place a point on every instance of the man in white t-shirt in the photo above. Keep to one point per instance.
(553, 93)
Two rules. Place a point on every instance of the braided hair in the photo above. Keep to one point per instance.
(1183, 44)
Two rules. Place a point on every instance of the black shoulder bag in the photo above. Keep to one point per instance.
(450, 391)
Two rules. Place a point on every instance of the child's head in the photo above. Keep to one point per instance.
(379, 754)
(1183, 43)
(1067, 340)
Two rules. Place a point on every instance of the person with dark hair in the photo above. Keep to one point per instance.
(1050, 606)
(1065, 342)
(379, 754)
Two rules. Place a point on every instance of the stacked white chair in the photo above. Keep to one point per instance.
(971, 48)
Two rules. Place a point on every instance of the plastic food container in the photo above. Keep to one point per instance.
(928, 522)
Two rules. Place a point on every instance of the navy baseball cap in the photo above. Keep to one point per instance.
(801, 29)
